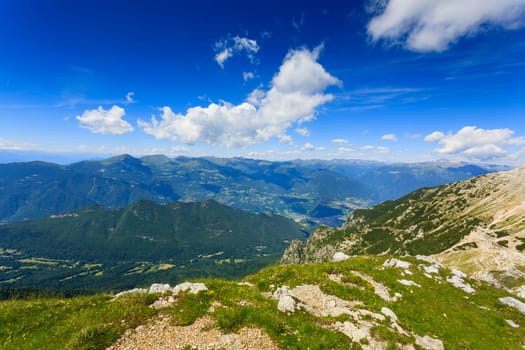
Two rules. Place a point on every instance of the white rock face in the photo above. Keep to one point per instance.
(352, 331)
(512, 324)
(159, 288)
(162, 288)
(429, 343)
(519, 291)
(457, 280)
(396, 263)
(518, 305)
(432, 269)
(389, 313)
(285, 301)
(131, 291)
(409, 283)
(194, 288)
(286, 304)
(340, 256)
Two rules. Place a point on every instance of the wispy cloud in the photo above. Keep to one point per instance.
(9, 145)
(247, 76)
(340, 141)
(75, 101)
(227, 48)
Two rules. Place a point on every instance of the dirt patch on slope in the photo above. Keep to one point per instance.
(202, 335)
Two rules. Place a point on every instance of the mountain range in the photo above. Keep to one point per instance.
(311, 192)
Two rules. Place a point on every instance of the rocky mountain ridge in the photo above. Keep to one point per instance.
(476, 225)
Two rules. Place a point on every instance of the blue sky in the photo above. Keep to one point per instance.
(395, 80)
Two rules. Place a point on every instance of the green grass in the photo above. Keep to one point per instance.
(437, 309)
(78, 323)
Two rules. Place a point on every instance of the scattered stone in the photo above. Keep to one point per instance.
(510, 301)
(457, 280)
(409, 283)
(397, 264)
(429, 343)
(214, 306)
(512, 324)
(340, 256)
(202, 334)
(389, 313)
(163, 302)
(286, 304)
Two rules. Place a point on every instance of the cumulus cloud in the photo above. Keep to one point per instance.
(101, 121)
(432, 25)
(476, 143)
(389, 137)
(434, 137)
(229, 47)
(293, 97)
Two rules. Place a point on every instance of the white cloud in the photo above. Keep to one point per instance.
(310, 147)
(434, 137)
(247, 76)
(9, 145)
(129, 97)
(432, 25)
(295, 93)
(229, 47)
(377, 149)
(476, 143)
(303, 131)
(101, 121)
(340, 141)
(411, 136)
(389, 137)
(286, 139)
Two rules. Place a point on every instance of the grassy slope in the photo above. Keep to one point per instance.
(436, 309)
